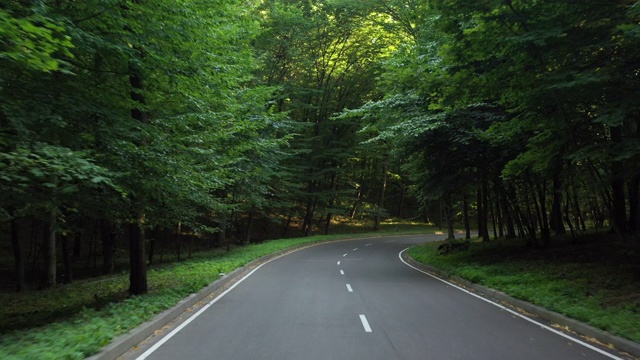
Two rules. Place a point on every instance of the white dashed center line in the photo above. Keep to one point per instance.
(338, 262)
(349, 288)
(341, 272)
(365, 323)
(344, 255)
(369, 244)
(356, 249)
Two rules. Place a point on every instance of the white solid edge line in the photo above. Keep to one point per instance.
(611, 356)
(365, 323)
(349, 288)
(204, 308)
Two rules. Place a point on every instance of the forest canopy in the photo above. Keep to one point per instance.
(130, 123)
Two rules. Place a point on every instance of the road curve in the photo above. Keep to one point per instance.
(356, 300)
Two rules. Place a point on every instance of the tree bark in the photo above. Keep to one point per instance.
(544, 221)
(483, 227)
(465, 215)
(634, 203)
(402, 199)
(331, 204)
(383, 189)
(493, 220)
(556, 223)
(16, 246)
(137, 259)
(287, 224)
(49, 248)
(247, 238)
(508, 216)
(308, 222)
(448, 214)
(310, 208)
(66, 259)
(107, 235)
(618, 205)
(179, 242)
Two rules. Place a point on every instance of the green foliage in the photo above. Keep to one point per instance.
(31, 38)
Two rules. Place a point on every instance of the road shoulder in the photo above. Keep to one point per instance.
(557, 320)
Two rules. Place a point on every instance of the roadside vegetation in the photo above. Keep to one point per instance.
(138, 132)
(75, 320)
(594, 280)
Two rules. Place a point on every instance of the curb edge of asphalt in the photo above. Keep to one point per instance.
(573, 325)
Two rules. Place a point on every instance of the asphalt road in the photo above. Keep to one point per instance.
(357, 300)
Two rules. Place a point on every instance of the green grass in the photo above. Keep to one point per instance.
(596, 282)
(74, 321)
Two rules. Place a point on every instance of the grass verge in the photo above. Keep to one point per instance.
(595, 281)
(74, 321)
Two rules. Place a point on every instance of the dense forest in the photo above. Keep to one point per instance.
(128, 126)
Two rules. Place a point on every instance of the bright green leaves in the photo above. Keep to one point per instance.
(33, 40)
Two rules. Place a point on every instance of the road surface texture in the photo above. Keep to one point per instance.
(357, 300)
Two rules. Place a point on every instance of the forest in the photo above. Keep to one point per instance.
(128, 126)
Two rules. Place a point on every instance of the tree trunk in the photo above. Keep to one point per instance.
(634, 203)
(356, 202)
(137, 259)
(191, 238)
(508, 216)
(485, 206)
(499, 213)
(480, 220)
(546, 233)
(331, 204)
(530, 221)
(516, 215)
(310, 208)
(493, 220)
(223, 236)
(568, 215)
(383, 189)
(66, 259)
(401, 202)
(247, 238)
(16, 246)
(465, 215)
(77, 245)
(327, 224)
(448, 214)
(618, 205)
(555, 221)
(483, 228)
(108, 236)
(179, 240)
(49, 247)
(286, 226)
